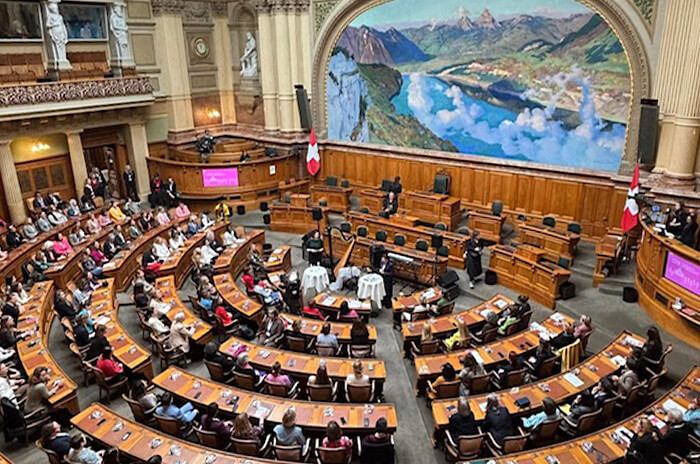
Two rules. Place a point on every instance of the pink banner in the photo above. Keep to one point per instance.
(227, 177)
(683, 273)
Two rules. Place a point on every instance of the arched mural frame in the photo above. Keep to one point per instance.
(347, 10)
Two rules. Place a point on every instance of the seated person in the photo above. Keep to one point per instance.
(116, 212)
(390, 204)
(211, 423)
(645, 447)
(212, 354)
(326, 338)
(692, 416)
(271, 329)
(243, 430)
(182, 211)
(335, 439)
(378, 448)
(112, 370)
(147, 399)
(509, 317)
(675, 438)
(224, 316)
(244, 367)
(275, 377)
(550, 412)
(162, 216)
(564, 339)
(603, 391)
(584, 327)
(583, 404)
(514, 363)
(248, 281)
(462, 423)
(359, 333)
(357, 377)
(345, 313)
(498, 421)
(288, 433)
(460, 339)
(544, 353)
(447, 374)
(230, 235)
(653, 349)
(470, 369)
(53, 439)
(80, 453)
(61, 247)
(14, 239)
(30, 230)
(185, 414)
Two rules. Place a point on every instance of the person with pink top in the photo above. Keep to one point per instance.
(277, 378)
(162, 216)
(182, 211)
(61, 246)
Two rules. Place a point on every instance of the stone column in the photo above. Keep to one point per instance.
(10, 184)
(285, 87)
(224, 64)
(678, 91)
(137, 146)
(307, 50)
(268, 74)
(55, 38)
(77, 159)
(172, 59)
(119, 43)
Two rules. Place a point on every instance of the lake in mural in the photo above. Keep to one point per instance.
(543, 82)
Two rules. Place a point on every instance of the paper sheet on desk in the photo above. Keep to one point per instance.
(477, 357)
(670, 404)
(624, 433)
(102, 320)
(429, 294)
(573, 380)
(557, 317)
(328, 301)
(354, 304)
(619, 360)
(633, 341)
(109, 266)
(500, 303)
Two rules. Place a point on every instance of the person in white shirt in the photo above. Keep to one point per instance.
(206, 222)
(357, 377)
(6, 353)
(208, 254)
(157, 325)
(180, 334)
(159, 307)
(161, 250)
(10, 388)
(230, 235)
(177, 239)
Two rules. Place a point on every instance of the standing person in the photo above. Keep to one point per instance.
(690, 229)
(473, 257)
(170, 192)
(156, 191)
(314, 247)
(396, 186)
(130, 183)
(386, 270)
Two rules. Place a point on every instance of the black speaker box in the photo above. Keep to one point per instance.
(648, 128)
(567, 290)
(436, 241)
(375, 255)
(240, 209)
(491, 278)
(303, 104)
(266, 219)
(451, 292)
(316, 214)
(447, 279)
(630, 295)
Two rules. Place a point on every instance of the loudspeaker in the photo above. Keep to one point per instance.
(630, 295)
(266, 219)
(567, 290)
(491, 278)
(447, 279)
(303, 104)
(436, 241)
(240, 209)
(648, 128)
(375, 255)
(316, 214)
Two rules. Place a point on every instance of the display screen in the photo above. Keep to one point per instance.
(227, 177)
(683, 273)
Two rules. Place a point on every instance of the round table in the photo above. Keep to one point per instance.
(315, 277)
(371, 286)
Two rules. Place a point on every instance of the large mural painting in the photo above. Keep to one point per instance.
(530, 80)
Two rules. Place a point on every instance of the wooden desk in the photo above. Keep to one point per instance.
(657, 293)
(311, 328)
(608, 248)
(399, 225)
(557, 387)
(338, 198)
(429, 207)
(203, 330)
(125, 263)
(104, 308)
(235, 257)
(329, 304)
(139, 443)
(422, 267)
(300, 199)
(179, 263)
(488, 225)
(34, 352)
(444, 326)
(555, 243)
(604, 448)
(311, 415)
(430, 367)
(280, 259)
(296, 219)
(539, 280)
(407, 303)
(301, 366)
(236, 298)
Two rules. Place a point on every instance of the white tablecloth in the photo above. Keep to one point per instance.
(371, 286)
(344, 274)
(315, 277)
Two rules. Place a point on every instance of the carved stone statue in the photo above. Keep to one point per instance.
(249, 60)
(117, 24)
(57, 32)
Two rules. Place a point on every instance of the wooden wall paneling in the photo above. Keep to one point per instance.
(523, 196)
(501, 187)
(595, 205)
(540, 196)
(564, 199)
(480, 189)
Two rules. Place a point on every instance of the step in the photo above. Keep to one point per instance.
(611, 289)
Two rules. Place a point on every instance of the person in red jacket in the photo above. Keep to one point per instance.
(249, 281)
(111, 369)
(224, 316)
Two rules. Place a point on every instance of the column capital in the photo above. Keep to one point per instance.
(73, 132)
(5, 142)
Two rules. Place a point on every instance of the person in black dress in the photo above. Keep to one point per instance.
(473, 257)
(498, 421)
(396, 186)
(130, 183)
(653, 348)
(645, 447)
(462, 423)
(314, 247)
(386, 270)
(690, 229)
(676, 219)
(157, 191)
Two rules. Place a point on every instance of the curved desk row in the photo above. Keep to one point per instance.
(34, 352)
(203, 330)
(311, 328)
(140, 442)
(301, 366)
(610, 444)
(312, 416)
(329, 304)
(560, 387)
(235, 257)
(406, 303)
(666, 270)
(430, 366)
(105, 310)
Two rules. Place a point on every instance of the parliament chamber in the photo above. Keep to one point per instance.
(349, 231)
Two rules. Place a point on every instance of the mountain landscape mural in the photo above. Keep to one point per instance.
(510, 81)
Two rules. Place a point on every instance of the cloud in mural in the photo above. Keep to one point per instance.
(534, 133)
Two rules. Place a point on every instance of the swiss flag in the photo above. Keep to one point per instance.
(313, 161)
(630, 216)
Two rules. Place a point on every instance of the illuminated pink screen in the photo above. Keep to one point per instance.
(227, 177)
(683, 273)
